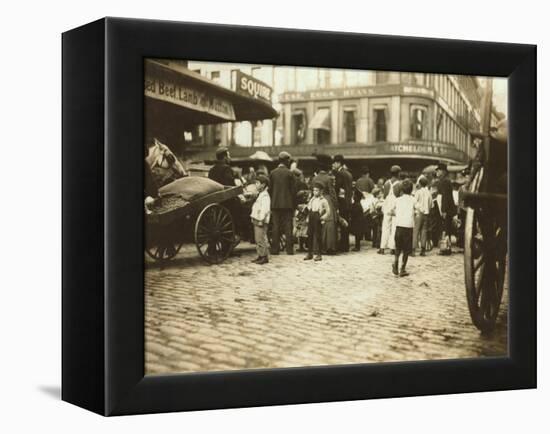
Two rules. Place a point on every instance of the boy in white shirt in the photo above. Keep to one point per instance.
(423, 205)
(404, 218)
(260, 214)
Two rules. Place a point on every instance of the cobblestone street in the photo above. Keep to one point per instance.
(347, 308)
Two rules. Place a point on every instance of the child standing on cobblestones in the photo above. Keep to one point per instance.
(404, 219)
(261, 212)
(318, 214)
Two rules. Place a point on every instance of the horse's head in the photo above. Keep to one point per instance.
(164, 164)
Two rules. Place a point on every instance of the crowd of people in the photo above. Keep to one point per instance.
(399, 215)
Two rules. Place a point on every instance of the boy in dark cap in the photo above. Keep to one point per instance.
(318, 214)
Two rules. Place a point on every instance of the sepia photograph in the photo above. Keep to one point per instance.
(299, 216)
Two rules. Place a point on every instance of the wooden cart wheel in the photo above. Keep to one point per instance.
(484, 263)
(164, 252)
(214, 233)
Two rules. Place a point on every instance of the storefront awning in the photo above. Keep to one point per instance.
(321, 120)
(189, 99)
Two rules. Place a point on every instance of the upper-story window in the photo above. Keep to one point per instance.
(321, 124)
(418, 122)
(350, 124)
(298, 127)
(380, 124)
(439, 124)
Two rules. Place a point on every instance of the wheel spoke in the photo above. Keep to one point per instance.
(219, 217)
(225, 225)
(214, 228)
(202, 237)
(228, 240)
(489, 290)
(478, 290)
(225, 219)
(203, 227)
(479, 263)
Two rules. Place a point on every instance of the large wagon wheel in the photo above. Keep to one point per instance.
(164, 253)
(484, 262)
(215, 233)
(164, 248)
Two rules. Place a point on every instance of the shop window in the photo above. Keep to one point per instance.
(298, 126)
(257, 133)
(380, 124)
(350, 125)
(217, 134)
(418, 122)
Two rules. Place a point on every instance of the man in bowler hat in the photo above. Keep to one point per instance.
(283, 203)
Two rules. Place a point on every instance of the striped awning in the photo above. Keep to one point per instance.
(321, 120)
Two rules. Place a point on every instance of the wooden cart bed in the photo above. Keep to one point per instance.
(172, 208)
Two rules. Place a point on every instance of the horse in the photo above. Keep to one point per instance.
(164, 165)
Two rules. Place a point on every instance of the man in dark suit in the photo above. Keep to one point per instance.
(221, 171)
(447, 206)
(366, 184)
(323, 177)
(344, 191)
(283, 203)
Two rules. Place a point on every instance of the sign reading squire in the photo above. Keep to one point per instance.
(252, 87)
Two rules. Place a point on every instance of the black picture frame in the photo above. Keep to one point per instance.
(103, 281)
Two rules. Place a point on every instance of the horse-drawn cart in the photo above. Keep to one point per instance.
(206, 221)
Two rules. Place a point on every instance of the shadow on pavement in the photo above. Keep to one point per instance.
(51, 391)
